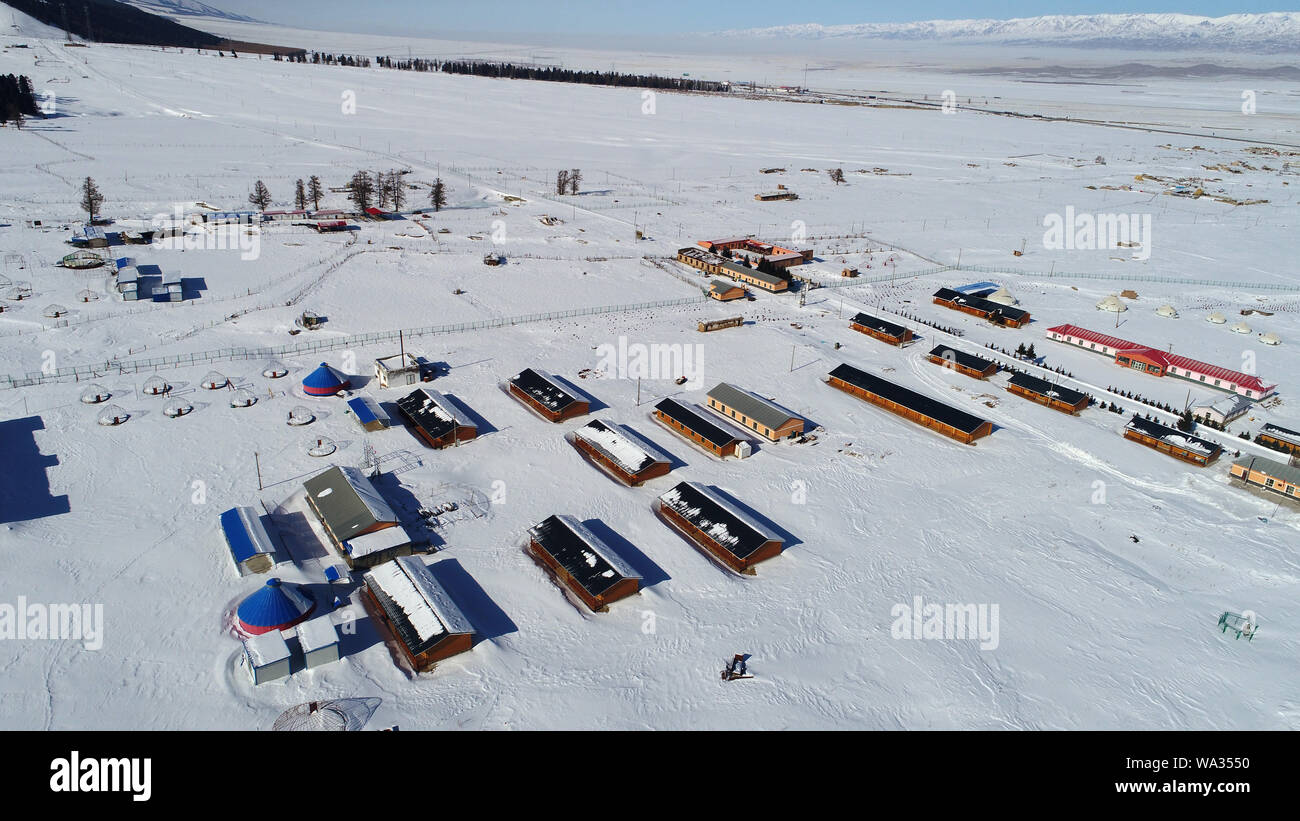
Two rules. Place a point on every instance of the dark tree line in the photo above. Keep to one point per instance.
(17, 99)
(567, 75)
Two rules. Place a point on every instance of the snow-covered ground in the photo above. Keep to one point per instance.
(1096, 630)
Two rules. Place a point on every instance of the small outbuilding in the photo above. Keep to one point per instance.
(319, 640)
(726, 291)
(248, 540)
(267, 657)
(370, 415)
(1223, 409)
(1167, 311)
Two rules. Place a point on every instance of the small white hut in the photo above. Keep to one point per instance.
(1112, 304)
(1167, 311)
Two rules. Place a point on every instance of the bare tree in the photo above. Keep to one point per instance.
(438, 196)
(398, 190)
(836, 175)
(575, 180)
(91, 199)
(315, 192)
(562, 182)
(261, 197)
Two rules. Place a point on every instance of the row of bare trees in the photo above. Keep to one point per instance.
(567, 181)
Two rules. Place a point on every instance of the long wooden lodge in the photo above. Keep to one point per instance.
(435, 420)
(1172, 441)
(994, 312)
(872, 326)
(717, 527)
(755, 413)
(541, 392)
(1045, 393)
(1279, 438)
(976, 367)
(686, 421)
(1269, 474)
(612, 447)
(425, 623)
(582, 562)
(931, 413)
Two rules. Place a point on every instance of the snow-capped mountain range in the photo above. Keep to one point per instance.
(1272, 32)
(188, 8)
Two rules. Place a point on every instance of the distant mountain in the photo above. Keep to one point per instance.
(1273, 32)
(109, 21)
(188, 8)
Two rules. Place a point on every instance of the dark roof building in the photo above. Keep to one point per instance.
(1279, 438)
(541, 392)
(933, 414)
(425, 622)
(1172, 441)
(718, 527)
(876, 327)
(979, 306)
(1043, 392)
(612, 448)
(969, 364)
(349, 507)
(582, 562)
(685, 420)
(435, 420)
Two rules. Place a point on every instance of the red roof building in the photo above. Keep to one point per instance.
(1161, 363)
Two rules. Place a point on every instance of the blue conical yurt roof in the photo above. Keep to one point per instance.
(275, 606)
(324, 381)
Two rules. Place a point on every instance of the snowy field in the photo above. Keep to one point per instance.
(1096, 629)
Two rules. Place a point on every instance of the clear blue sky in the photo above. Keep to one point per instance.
(631, 17)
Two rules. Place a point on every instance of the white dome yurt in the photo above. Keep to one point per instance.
(1167, 311)
(87, 295)
(19, 291)
(215, 381)
(177, 408)
(55, 311)
(1217, 318)
(113, 415)
(242, 399)
(1270, 338)
(94, 394)
(301, 416)
(1240, 328)
(274, 370)
(156, 386)
(1003, 297)
(1112, 303)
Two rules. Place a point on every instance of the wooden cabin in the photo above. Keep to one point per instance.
(709, 325)
(921, 409)
(880, 329)
(994, 312)
(581, 562)
(1043, 392)
(976, 367)
(725, 291)
(541, 392)
(1279, 438)
(751, 412)
(1268, 474)
(612, 448)
(1199, 452)
(435, 420)
(718, 527)
(684, 420)
(425, 625)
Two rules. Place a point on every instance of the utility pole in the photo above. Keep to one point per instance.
(792, 350)
(257, 462)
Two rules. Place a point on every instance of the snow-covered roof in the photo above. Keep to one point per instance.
(376, 542)
(422, 603)
(726, 524)
(266, 649)
(316, 633)
(616, 442)
(586, 558)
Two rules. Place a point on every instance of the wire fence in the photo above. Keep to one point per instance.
(117, 366)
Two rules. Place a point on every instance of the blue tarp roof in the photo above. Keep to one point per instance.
(324, 380)
(368, 410)
(243, 544)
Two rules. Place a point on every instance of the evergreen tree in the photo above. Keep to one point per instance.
(299, 192)
(91, 199)
(315, 192)
(575, 179)
(438, 196)
(562, 181)
(361, 190)
(836, 175)
(261, 196)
